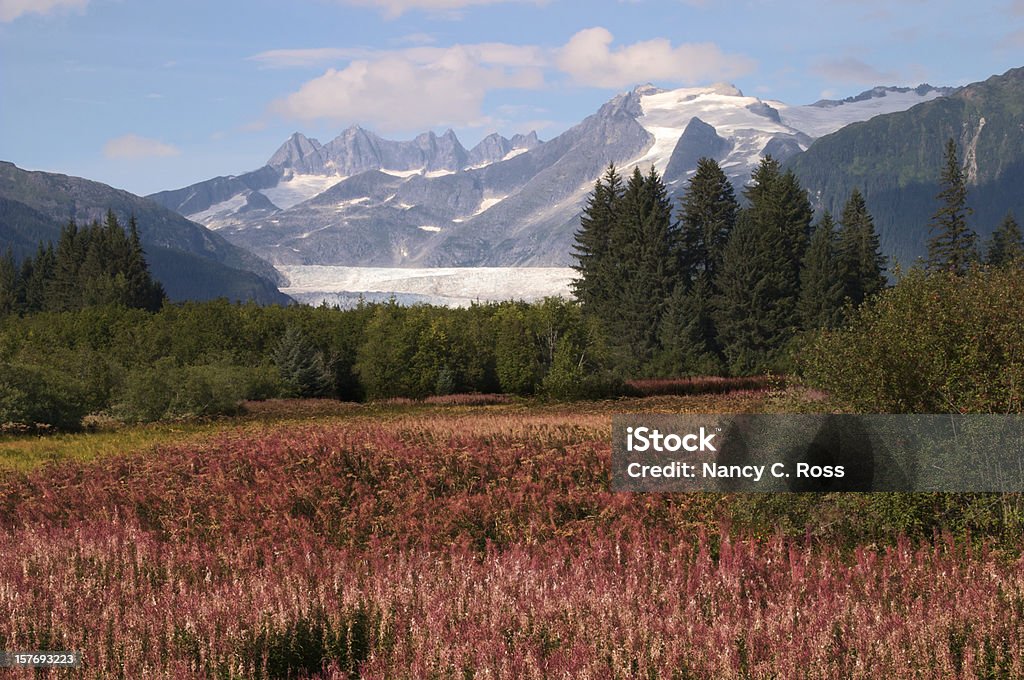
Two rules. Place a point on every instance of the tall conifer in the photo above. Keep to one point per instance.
(755, 311)
(707, 215)
(646, 242)
(596, 262)
(952, 246)
(821, 287)
(1006, 245)
(861, 264)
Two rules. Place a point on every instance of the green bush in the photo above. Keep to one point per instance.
(934, 343)
(167, 391)
(36, 397)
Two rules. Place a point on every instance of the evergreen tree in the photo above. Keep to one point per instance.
(8, 284)
(781, 214)
(1006, 245)
(755, 311)
(94, 265)
(707, 215)
(143, 291)
(34, 279)
(301, 365)
(778, 202)
(646, 242)
(860, 260)
(952, 246)
(596, 262)
(63, 291)
(821, 286)
(688, 336)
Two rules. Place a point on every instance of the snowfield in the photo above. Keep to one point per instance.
(451, 287)
(298, 188)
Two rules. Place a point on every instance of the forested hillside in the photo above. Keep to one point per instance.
(895, 160)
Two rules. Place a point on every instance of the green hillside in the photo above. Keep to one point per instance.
(895, 161)
(191, 261)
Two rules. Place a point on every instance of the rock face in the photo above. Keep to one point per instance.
(699, 140)
(895, 161)
(361, 200)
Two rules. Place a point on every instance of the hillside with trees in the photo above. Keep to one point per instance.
(896, 162)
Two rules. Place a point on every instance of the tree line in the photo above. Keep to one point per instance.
(716, 287)
(90, 265)
(720, 288)
(204, 358)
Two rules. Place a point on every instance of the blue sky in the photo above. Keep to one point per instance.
(152, 94)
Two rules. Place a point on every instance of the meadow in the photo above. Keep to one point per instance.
(471, 538)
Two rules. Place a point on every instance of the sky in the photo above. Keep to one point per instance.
(148, 95)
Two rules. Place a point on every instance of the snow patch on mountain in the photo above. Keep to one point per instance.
(218, 215)
(489, 203)
(298, 188)
(818, 121)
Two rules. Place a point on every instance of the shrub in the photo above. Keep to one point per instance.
(36, 397)
(934, 343)
(167, 391)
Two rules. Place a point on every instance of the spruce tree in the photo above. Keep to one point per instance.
(781, 214)
(8, 283)
(688, 337)
(34, 279)
(596, 262)
(821, 287)
(63, 290)
(302, 367)
(646, 242)
(755, 310)
(861, 264)
(952, 246)
(1006, 246)
(143, 291)
(707, 215)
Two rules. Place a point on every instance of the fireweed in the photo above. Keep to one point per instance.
(463, 546)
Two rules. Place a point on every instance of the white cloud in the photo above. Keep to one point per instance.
(418, 87)
(12, 9)
(589, 59)
(853, 70)
(133, 146)
(491, 53)
(408, 89)
(396, 8)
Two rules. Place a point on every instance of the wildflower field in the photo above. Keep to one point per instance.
(468, 540)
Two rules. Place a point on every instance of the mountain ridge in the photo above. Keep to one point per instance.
(35, 205)
(895, 161)
(430, 202)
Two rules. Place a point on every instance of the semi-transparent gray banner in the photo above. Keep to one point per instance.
(778, 453)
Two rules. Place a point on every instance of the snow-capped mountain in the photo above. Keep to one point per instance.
(361, 200)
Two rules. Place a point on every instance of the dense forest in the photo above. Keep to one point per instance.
(715, 289)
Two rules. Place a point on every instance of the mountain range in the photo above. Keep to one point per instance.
(360, 200)
(363, 201)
